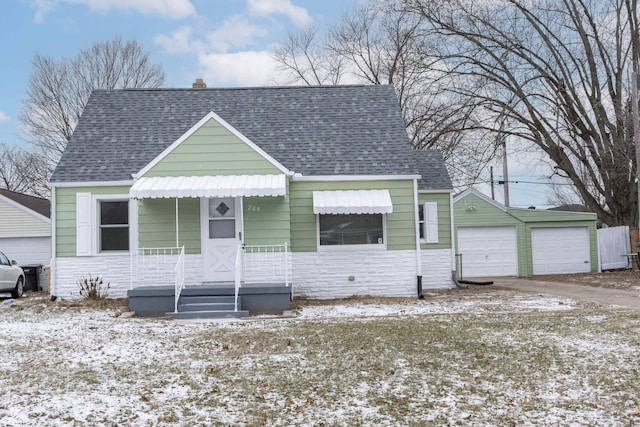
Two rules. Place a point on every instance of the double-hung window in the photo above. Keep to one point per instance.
(104, 223)
(114, 225)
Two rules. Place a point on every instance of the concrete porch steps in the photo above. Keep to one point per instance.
(209, 314)
(208, 305)
(207, 299)
(210, 300)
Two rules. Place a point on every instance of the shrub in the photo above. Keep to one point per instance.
(93, 287)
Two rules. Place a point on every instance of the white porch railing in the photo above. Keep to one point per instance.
(155, 266)
(238, 278)
(260, 264)
(179, 278)
(266, 264)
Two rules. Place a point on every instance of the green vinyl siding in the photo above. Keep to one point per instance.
(473, 211)
(444, 219)
(400, 225)
(528, 215)
(65, 226)
(266, 220)
(157, 224)
(212, 150)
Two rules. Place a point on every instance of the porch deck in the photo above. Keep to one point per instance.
(210, 300)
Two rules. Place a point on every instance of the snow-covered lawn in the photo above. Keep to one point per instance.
(500, 359)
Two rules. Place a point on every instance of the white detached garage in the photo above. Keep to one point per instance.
(492, 240)
(25, 229)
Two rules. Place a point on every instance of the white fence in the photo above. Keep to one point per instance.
(613, 244)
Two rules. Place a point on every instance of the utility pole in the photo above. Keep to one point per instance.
(505, 171)
(635, 52)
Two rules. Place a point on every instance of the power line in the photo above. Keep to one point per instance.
(501, 182)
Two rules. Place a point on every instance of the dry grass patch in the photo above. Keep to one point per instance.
(39, 302)
(618, 279)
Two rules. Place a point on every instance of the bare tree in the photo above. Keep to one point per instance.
(559, 73)
(59, 89)
(23, 172)
(381, 43)
(305, 58)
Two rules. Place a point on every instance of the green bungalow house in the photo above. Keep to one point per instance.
(249, 193)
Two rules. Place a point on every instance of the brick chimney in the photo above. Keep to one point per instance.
(199, 84)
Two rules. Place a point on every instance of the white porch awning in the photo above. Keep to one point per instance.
(352, 202)
(209, 186)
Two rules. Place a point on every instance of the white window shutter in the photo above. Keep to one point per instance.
(83, 224)
(431, 222)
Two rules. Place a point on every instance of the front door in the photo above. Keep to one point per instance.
(221, 231)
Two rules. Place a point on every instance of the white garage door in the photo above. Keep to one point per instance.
(27, 250)
(560, 250)
(488, 251)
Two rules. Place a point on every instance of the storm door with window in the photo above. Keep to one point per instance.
(221, 233)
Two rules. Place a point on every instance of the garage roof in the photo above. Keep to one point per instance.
(36, 204)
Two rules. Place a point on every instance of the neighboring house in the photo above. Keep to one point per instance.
(317, 186)
(25, 229)
(493, 240)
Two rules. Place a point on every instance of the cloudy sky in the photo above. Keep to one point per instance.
(227, 42)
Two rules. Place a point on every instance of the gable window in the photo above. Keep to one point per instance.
(428, 221)
(114, 225)
(351, 229)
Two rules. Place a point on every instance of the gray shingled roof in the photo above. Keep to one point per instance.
(324, 130)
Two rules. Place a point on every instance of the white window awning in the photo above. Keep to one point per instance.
(352, 202)
(209, 186)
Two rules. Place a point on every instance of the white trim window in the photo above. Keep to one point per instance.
(351, 230)
(105, 223)
(428, 222)
(113, 225)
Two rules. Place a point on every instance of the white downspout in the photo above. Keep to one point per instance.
(416, 216)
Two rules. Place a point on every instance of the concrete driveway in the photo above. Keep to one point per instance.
(629, 298)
